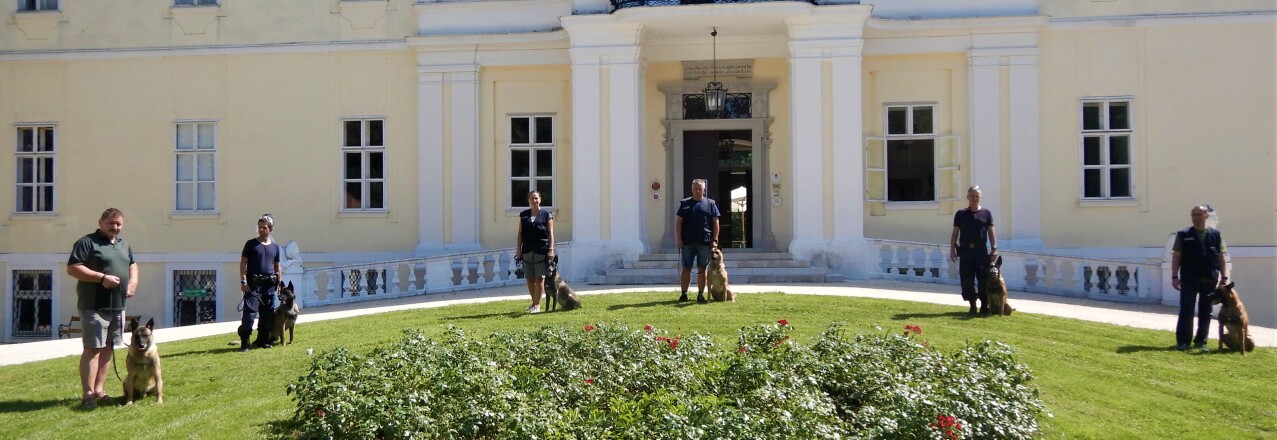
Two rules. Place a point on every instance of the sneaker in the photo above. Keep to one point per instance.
(243, 349)
(1201, 347)
(683, 297)
(534, 309)
(700, 298)
(1181, 347)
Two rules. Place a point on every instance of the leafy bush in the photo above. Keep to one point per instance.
(608, 381)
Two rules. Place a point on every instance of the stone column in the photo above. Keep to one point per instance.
(430, 115)
(984, 68)
(807, 175)
(465, 158)
(447, 122)
(848, 161)
(625, 140)
(1026, 180)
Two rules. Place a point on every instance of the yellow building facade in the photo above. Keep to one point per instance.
(377, 130)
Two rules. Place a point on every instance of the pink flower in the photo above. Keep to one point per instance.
(783, 323)
(589, 328)
(647, 328)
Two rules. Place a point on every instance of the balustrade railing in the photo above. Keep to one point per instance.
(410, 277)
(622, 4)
(1103, 279)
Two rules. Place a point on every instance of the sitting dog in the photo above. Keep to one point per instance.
(717, 278)
(286, 314)
(143, 365)
(995, 289)
(557, 291)
(1232, 315)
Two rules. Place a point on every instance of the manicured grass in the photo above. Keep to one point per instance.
(1100, 381)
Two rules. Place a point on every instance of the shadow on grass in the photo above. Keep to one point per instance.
(21, 406)
(1128, 349)
(673, 301)
(483, 316)
(954, 315)
(225, 349)
(282, 429)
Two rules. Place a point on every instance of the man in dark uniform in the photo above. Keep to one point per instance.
(258, 277)
(972, 228)
(697, 232)
(1197, 268)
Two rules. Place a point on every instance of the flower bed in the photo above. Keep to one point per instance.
(608, 381)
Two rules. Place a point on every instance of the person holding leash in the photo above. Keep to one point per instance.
(696, 232)
(258, 278)
(972, 229)
(1197, 269)
(535, 247)
(102, 263)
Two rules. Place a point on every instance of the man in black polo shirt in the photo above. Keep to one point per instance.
(258, 277)
(972, 229)
(1197, 268)
(103, 264)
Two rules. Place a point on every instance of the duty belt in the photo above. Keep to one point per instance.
(262, 278)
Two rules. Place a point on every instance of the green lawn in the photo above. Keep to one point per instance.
(1100, 381)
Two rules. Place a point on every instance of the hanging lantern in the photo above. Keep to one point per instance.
(715, 94)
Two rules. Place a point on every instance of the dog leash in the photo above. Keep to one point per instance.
(115, 364)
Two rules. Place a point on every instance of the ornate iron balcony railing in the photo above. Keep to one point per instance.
(621, 4)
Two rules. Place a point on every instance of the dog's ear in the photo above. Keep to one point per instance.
(290, 285)
(1229, 286)
(150, 324)
(133, 325)
(998, 263)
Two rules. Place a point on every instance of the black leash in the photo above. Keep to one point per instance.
(115, 365)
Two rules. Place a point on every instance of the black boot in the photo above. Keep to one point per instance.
(971, 311)
(683, 297)
(700, 297)
(984, 308)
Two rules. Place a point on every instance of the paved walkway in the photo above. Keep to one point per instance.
(1154, 317)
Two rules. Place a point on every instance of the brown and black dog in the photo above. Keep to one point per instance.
(1232, 316)
(143, 365)
(717, 278)
(995, 289)
(557, 291)
(286, 314)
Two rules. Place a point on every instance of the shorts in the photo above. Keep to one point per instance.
(534, 265)
(695, 252)
(99, 325)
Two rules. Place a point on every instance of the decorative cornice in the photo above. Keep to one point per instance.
(235, 49)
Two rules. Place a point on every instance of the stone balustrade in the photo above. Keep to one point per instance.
(1102, 279)
(410, 277)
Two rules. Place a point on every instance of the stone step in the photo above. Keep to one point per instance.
(674, 264)
(728, 255)
(672, 279)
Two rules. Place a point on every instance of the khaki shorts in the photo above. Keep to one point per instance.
(533, 265)
(98, 325)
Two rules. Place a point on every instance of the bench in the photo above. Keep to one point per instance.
(72, 327)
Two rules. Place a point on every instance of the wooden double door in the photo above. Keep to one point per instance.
(724, 158)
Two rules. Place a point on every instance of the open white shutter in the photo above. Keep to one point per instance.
(948, 160)
(875, 169)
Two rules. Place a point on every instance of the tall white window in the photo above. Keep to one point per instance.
(531, 159)
(37, 5)
(34, 176)
(196, 163)
(363, 165)
(911, 162)
(1106, 149)
(195, 2)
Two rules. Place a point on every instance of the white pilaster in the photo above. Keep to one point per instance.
(430, 114)
(465, 158)
(1026, 180)
(986, 128)
(586, 140)
(848, 133)
(626, 141)
(808, 159)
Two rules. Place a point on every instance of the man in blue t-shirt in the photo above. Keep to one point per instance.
(697, 227)
(258, 277)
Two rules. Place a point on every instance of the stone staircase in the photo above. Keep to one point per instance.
(743, 267)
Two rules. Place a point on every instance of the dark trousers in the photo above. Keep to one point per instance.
(259, 305)
(973, 267)
(1192, 297)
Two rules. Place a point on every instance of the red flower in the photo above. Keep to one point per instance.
(674, 343)
(589, 381)
(913, 328)
(662, 338)
(589, 328)
(781, 341)
(319, 412)
(783, 323)
(742, 350)
(647, 328)
(958, 426)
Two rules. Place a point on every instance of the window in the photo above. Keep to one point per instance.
(194, 297)
(37, 5)
(531, 159)
(196, 163)
(195, 3)
(911, 163)
(34, 176)
(32, 303)
(363, 164)
(1106, 149)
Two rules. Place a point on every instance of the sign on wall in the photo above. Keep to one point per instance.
(726, 69)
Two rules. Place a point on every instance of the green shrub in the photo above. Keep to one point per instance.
(608, 381)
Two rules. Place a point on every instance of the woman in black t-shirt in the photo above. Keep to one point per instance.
(535, 247)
